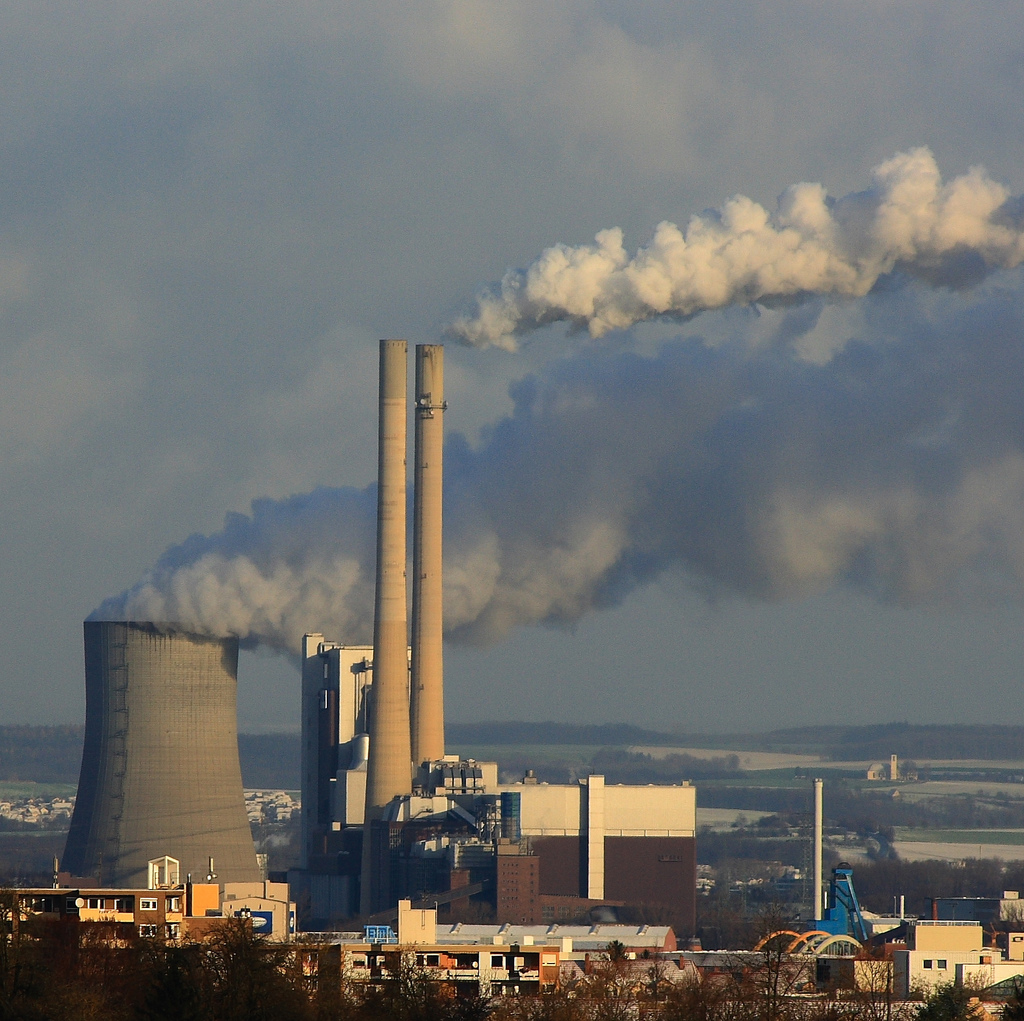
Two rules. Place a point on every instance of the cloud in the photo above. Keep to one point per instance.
(210, 213)
(907, 219)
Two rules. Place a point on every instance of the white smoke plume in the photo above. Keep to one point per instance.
(813, 244)
(894, 464)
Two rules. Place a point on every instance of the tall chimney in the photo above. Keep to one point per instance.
(818, 827)
(389, 767)
(427, 693)
(389, 770)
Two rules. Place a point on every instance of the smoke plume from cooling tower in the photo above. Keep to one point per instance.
(907, 219)
(877, 443)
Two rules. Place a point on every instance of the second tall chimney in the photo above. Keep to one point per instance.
(389, 770)
(427, 691)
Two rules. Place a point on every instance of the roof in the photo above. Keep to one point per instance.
(584, 937)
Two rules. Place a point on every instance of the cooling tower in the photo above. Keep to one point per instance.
(160, 772)
(427, 688)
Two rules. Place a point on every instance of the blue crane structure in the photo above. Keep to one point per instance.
(843, 916)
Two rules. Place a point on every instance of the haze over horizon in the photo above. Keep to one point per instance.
(788, 494)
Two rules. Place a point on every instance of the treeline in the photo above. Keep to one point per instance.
(716, 848)
(54, 755)
(867, 811)
(879, 883)
(78, 972)
(879, 741)
(620, 766)
(514, 732)
(272, 761)
(41, 754)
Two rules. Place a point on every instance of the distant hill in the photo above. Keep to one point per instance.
(909, 741)
(606, 734)
(874, 741)
(54, 754)
(41, 754)
(271, 760)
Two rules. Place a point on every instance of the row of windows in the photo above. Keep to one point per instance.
(127, 904)
(172, 929)
(940, 964)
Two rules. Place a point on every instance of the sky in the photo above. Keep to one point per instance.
(775, 498)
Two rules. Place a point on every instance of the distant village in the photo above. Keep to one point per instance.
(263, 807)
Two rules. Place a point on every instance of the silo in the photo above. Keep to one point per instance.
(160, 772)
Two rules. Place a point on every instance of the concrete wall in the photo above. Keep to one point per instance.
(518, 894)
(549, 809)
(650, 811)
(654, 871)
(559, 864)
(925, 935)
(628, 811)
(416, 925)
(920, 971)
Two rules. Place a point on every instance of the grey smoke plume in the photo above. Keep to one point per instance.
(907, 219)
(883, 448)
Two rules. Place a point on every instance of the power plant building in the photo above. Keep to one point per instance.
(160, 771)
(387, 814)
(336, 684)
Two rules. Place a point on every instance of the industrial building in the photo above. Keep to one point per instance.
(988, 910)
(387, 814)
(935, 952)
(160, 772)
(498, 965)
(170, 906)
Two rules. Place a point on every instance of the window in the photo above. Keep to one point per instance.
(497, 960)
(173, 930)
(942, 965)
(126, 905)
(147, 930)
(173, 903)
(928, 964)
(147, 903)
(96, 903)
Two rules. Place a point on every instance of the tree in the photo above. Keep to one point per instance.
(178, 990)
(250, 979)
(949, 1002)
(1014, 1008)
(778, 973)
